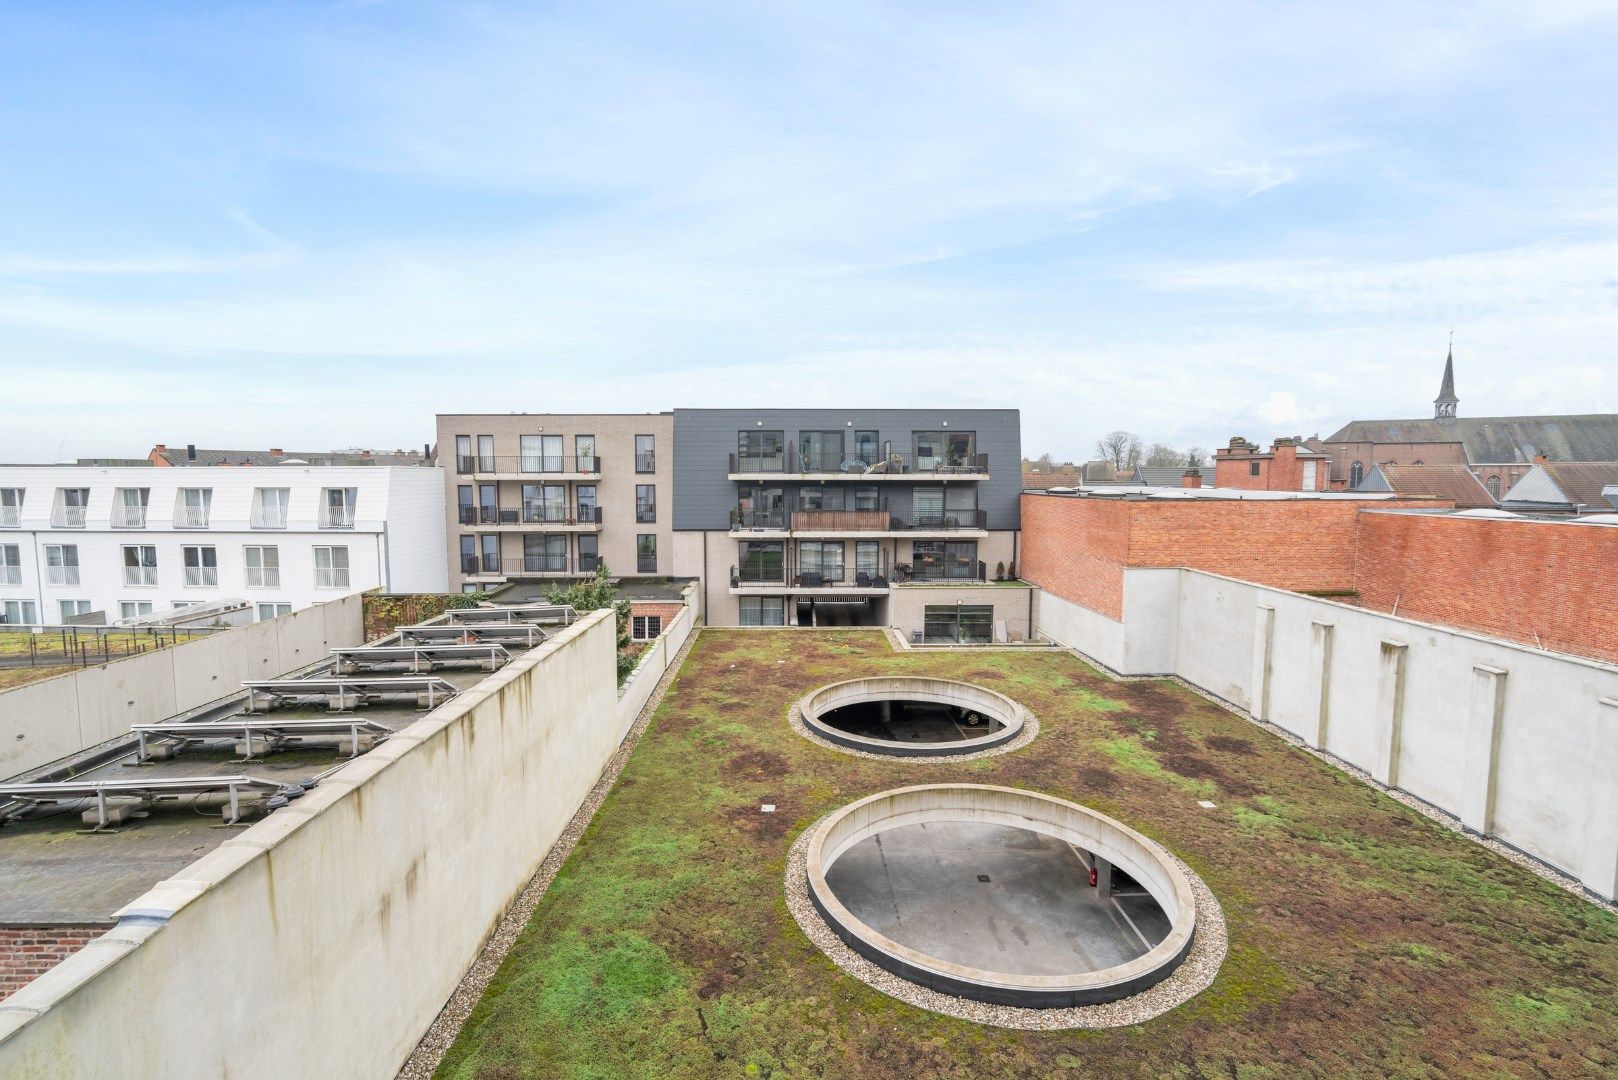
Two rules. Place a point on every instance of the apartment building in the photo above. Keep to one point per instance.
(103, 543)
(873, 517)
(536, 496)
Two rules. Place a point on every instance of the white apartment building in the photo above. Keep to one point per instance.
(126, 541)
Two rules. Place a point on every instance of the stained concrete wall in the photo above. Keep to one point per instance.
(637, 689)
(332, 932)
(44, 721)
(1519, 743)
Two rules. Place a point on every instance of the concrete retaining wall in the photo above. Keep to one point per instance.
(637, 689)
(66, 714)
(327, 936)
(1519, 743)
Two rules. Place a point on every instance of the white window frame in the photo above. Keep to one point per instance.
(26, 614)
(133, 609)
(262, 563)
(79, 607)
(65, 569)
(331, 576)
(67, 514)
(10, 564)
(340, 516)
(268, 516)
(273, 610)
(128, 512)
(641, 627)
(141, 575)
(202, 575)
(189, 516)
(11, 508)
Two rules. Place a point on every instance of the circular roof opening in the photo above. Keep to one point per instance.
(1001, 896)
(911, 716)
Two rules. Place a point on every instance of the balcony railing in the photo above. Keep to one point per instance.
(758, 519)
(826, 577)
(518, 566)
(530, 515)
(531, 464)
(202, 576)
(757, 575)
(128, 517)
(10, 517)
(646, 461)
(790, 461)
(945, 570)
(68, 517)
(268, 517)
(190, 517)
(841, 520)
(954, 519)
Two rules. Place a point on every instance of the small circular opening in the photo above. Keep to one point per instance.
(902, 720)
(909, 716)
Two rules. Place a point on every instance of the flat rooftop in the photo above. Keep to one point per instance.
(54, 874)
(1364, 939)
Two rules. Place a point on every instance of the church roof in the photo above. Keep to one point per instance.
(1497, 439)
(1446, 392)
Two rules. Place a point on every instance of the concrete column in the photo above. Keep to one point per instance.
(1482, 748)
(1263, 649)
(1320, 646)
(1103, 890)
(1390, 708)
(1600, 869)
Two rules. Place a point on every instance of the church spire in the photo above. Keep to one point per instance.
(1444, 404)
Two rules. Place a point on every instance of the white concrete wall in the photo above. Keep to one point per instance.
(1518, 743)
(326, 937)
(637, 689)
(44, 721)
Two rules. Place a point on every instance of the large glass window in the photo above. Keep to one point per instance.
(68, 511)
(469, 554)
(646, 553)
(263, 567)
(331, 567)
(762, 561)
(589, 553)
(541, 453)
(486, 454)
(584, 454)
(129, 507)
(759, 507)
(489, 543)
(11, 508)
(337, 508)
(867, 447)
(544, 503)
(820, 498)
(958, 624)
(466, 511)
(761, 451)
(272, 611)
(134, 609)
(820, 451)
(463, 454)
(61, 564)
(866, 498)
(589, 511)
(763, 610)
(942, 450)
(72, 609)
(201, 566)
(645, 503)
(645, 453)
(10, 564)
(544, 553)
(191, 508)
(17, 612)
(939, 560)
(140, 564)
(823, 557)
(868, 558)
(270, 508)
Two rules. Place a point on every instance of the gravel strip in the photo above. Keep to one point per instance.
(1195, 973)
(1030, 729)
(447, 1025)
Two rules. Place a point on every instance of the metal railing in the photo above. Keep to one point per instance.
(758, 519)
(271, 517)
(541, 514)
(523, 565)
(68, 517)
(527, 464)
(128, 517)
(646, 461)
(947, 570)
(790, 461)
(190, 517)
(953, 519)
(844, 575)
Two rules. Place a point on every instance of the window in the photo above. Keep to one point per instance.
(540, 453)
(129, 507)
(937, 507)
(1252, 468)
(584, 454)
(866, 498)
(761, 451)
(645, 503)
(820, 498)
(868, 557)
(763, 611)
(944, 450)
(140, 565)
(938, 560)
(823, 557)
(486, 453)
(72, 609)
(337, 508)
(270, 508)
(544, 553)
(263, 567)
(645, 454)
(469, 554)
(465, 510)
(68, 511)
(134, 609)
(488, 504)
(1493, 484)
(759, 507)
(762, 561)
(646, 553)
(11, 508)
(646, 627)
(589, 553)
(589, 512)
(61, 564)
(489, 559)
(957, 624)
(18, 611)
(10, 564)
(331, 567)
(463, 454)
(273, 611)
(1418, 461)
(544, 503)
(1356, 473)
(820, 451)
(866, 447)
(191, 508)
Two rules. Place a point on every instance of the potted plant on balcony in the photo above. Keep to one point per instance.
(1011, 572)
(1000, 571)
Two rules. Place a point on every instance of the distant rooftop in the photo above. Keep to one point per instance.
(195, 456)
(1142, 491)
(1499, 439)
(1455, 482)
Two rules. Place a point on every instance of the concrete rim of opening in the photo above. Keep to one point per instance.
(815, 704)
(1146, 861)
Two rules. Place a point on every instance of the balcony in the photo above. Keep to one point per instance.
(561, 467)
(895, 466)
(528, 566)
(838, 579)
(838, 521)
(941, 571)
(68, 517)
(582, 519)
(758, 520)
(869, 524)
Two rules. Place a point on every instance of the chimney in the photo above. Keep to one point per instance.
(1541, 459)
(1191, 479)
(365, 453)
(159, 448)
(276, 452)
(190, 451)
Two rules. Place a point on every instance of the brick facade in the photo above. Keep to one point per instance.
(27, 952)
(1077, 549)
(1549, 584)
(1284, 467)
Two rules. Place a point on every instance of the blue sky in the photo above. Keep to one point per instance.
(314, 226)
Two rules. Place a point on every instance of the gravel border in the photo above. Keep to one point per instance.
(435, 1043)
(1030, 729)
(1194, 975)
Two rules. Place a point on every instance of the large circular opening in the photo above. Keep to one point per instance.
(1002, 896)
(909, 716)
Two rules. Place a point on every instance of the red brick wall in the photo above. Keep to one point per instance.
(27, 952)
(1539, 583)
(1076, 549)
(647, 608)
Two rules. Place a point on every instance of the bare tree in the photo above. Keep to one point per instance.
(1163, 456)
(1121, 448)
(1196, 457)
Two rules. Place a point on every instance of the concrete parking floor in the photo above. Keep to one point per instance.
(909, 721)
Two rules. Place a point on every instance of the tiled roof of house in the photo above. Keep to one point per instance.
(1499, 439)
(1565, 484)
(1454, 482)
